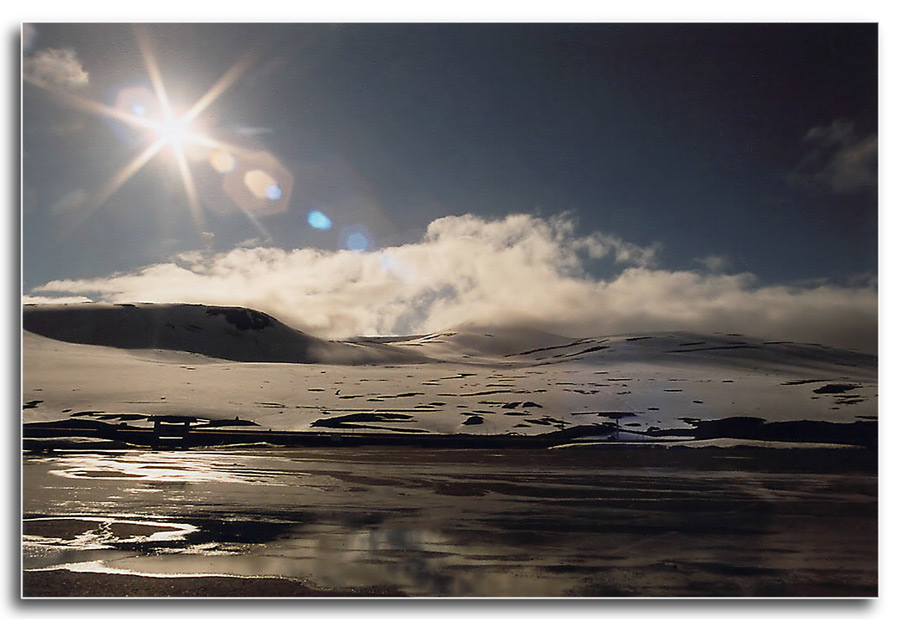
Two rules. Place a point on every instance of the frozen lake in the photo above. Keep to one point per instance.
(572, 522)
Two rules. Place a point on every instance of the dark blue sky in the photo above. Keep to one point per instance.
(754, 143)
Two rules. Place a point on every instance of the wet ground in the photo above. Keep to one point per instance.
(412, 521)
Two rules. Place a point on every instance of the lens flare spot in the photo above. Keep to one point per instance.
(222, 161)
(259, 183)
(318, 220)
(273, 192)
(356, 238)
(138, 102)
(357, 242)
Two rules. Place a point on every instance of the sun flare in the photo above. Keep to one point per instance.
(149, 111)
(174, 132)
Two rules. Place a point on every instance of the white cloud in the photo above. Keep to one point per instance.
(518, 269)
(26, 299)
(56, 67)
(599, 245)
(714, 263)
(838, 158)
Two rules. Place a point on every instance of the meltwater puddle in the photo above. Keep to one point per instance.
(53, 541)
(170, 467)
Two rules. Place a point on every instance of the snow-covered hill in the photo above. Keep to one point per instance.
(125, 363)
(233, 333)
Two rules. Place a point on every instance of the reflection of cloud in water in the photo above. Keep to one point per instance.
(548, 524)
(428, 562)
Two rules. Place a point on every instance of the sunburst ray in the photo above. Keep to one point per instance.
(171, 130)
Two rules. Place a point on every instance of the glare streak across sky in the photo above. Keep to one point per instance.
(172, 131)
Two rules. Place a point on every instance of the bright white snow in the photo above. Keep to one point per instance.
(470, 380)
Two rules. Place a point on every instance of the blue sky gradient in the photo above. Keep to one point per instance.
(727, 148)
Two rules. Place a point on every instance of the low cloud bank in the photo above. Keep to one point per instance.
(518, 270)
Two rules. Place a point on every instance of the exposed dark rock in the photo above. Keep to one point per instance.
(347, 421)
(804, 381)
(244, 319)
(835, 388)
(863, 433)
(225, 423)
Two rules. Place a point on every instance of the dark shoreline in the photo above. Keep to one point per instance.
(66, 584)
(35, 435)
(56, 584)
(788, 458)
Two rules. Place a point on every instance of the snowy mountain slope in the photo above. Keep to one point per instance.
(469, 380)
(233, 333)
(533, 347)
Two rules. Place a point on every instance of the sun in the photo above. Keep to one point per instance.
(150, 112)
(174, 132)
